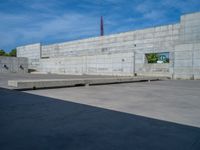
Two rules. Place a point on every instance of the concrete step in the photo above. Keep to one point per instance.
(53, 83)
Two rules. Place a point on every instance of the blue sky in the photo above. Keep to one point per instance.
(50, 21)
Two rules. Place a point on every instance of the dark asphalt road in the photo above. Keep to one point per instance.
(31, 122)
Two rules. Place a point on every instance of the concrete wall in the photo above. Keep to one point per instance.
(107, 64)
(13, 65)
(74, 57)
(187, 52)
(187, 61)
(190, 28)
(137, 43)
(32, 52)
(152, 39)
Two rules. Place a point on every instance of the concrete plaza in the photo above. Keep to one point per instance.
(144, 115)
(175, 101)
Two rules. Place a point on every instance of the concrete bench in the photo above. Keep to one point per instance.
(53, 83)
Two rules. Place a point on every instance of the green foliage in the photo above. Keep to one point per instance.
(12, 53)
(6, 54)
(152, 58)
(2, 52)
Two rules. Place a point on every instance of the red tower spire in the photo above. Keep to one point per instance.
(102, 27)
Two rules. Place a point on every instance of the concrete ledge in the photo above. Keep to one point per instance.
(53, 83)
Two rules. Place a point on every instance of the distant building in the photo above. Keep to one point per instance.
(125, 54)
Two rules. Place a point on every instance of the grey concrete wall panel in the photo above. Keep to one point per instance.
(190, 30)
(113, 64)
(187, 61)
(32, 52)
(13, 65)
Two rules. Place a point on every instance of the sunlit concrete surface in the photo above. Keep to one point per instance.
(56, 83)
(176, 101)
(4, 77)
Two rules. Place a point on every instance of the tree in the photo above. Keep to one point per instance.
(13, 53)
(152, 58)
(2, 52)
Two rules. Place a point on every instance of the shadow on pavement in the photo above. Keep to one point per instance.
(31, 122)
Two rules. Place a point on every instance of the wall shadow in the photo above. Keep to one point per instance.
(31, 122)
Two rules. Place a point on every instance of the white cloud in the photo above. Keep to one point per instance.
(67, 26)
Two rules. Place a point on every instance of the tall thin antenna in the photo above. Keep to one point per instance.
(102, 27)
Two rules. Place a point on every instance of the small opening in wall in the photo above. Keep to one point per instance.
(45, 57)
(104, 49)
(157, 58)
(21, 67)
(5, 66)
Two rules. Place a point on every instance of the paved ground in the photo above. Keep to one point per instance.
(32, 122)
(175, 101)
(59, 119)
